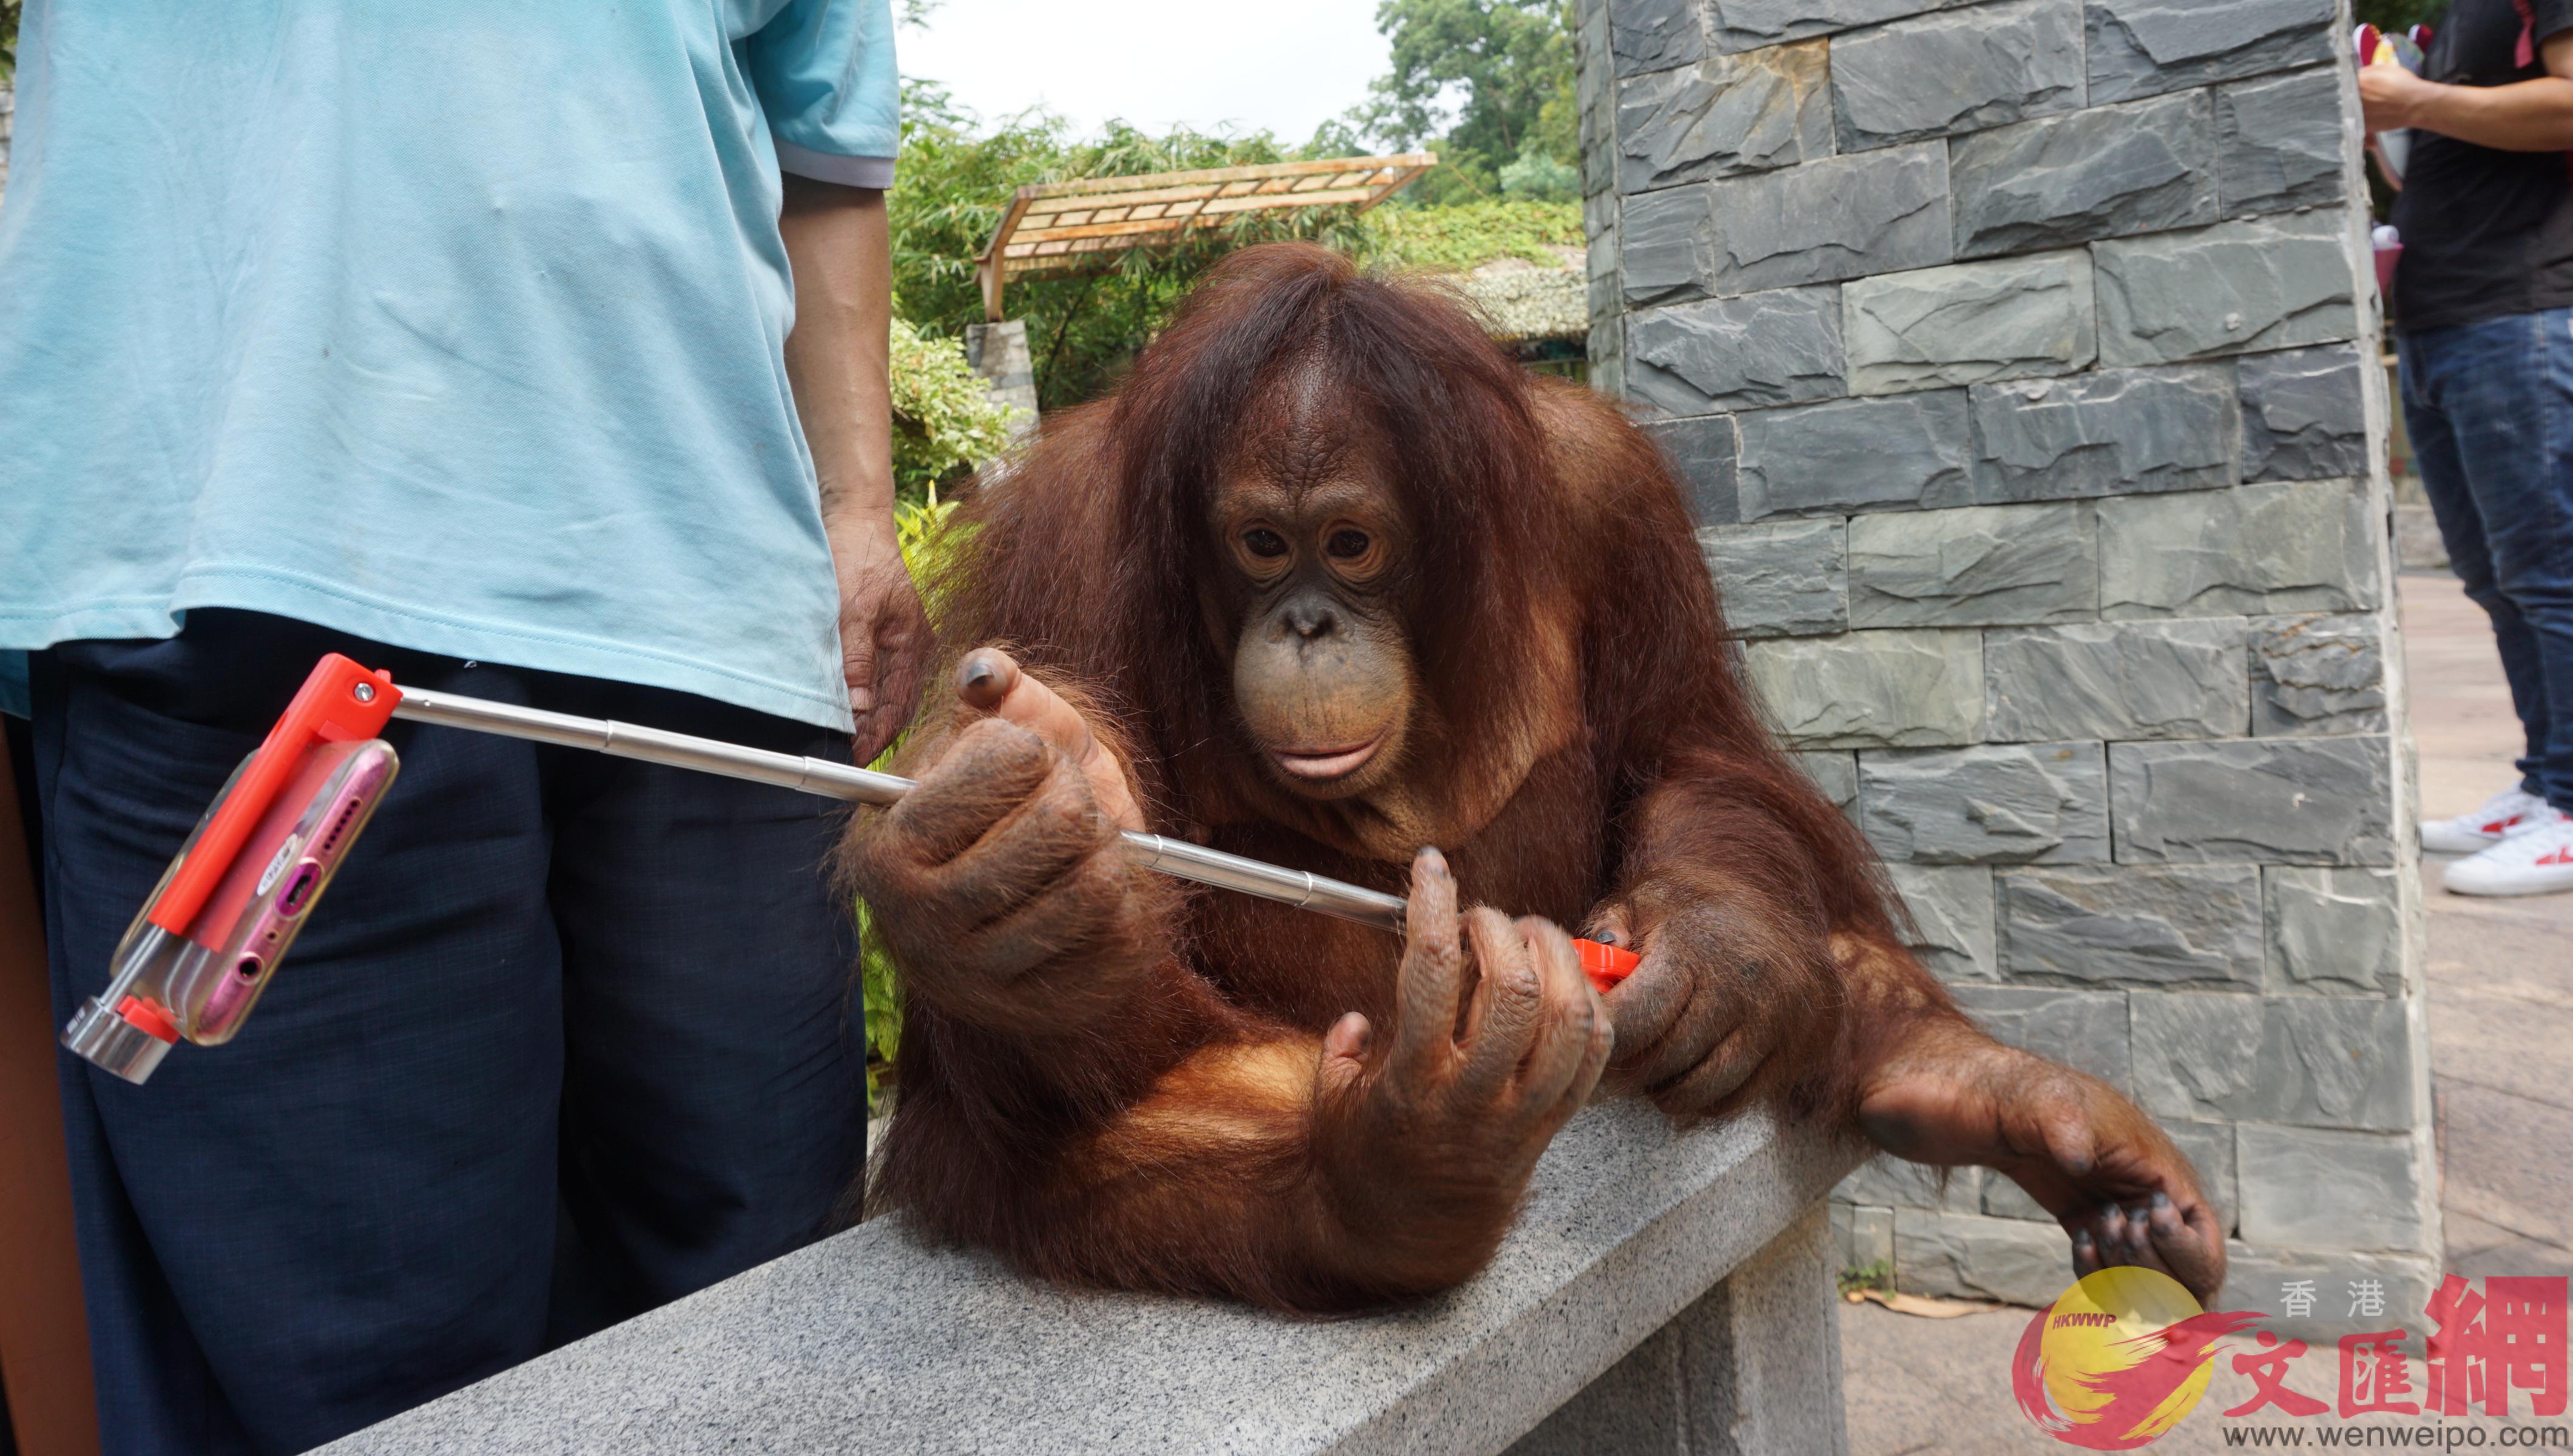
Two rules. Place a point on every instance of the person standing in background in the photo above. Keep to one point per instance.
(2483, 303)
(455, 338)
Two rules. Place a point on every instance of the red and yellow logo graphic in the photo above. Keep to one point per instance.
(2118, 1359)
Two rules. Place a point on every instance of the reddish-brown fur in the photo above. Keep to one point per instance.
(1592, 756)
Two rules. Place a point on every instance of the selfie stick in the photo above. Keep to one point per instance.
(1605, 965)
(865, 786)
(202, 948)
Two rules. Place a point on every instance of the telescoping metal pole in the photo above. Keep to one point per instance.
(865, 786)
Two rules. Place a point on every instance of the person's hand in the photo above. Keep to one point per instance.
(884, 635)
(1951, 1095)
(2391, 97)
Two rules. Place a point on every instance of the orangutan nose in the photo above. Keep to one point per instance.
(1311, 619)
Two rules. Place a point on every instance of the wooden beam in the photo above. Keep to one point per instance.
(1249, 172)
(1215, 207)
(988, 265)
(1101, 214)
(1405, 181)
(992, 272)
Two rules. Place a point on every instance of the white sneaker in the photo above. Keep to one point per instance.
(2506, 814)
(2536, 859)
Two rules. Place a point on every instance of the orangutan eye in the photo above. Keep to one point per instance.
(1346, 545)
(1265, 542)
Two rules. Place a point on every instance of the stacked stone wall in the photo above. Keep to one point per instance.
(2020, 358)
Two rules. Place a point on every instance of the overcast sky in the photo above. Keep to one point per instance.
(1283, 67)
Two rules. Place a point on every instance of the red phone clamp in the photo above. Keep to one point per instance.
(1606, 965)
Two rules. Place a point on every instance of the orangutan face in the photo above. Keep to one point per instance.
(1323, 665)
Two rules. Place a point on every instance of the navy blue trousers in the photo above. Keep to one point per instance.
(2490, 410)
(569, 1037)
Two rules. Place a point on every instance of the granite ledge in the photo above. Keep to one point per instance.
(867, 1339)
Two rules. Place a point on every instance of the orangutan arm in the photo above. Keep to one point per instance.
(1944, 1092)
(1726, 894)
(1074, 1095)
(1753, 983)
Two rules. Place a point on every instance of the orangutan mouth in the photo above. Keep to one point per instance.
(1321, 765)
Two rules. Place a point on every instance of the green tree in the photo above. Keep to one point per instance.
(945, 421)
(8, 41)
(1489, 83)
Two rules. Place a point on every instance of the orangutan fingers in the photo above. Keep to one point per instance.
(2066, 1137)
(2109, 1230)
(1648, 1003)
(2191, 1245)
(2086, 1253)
(1433, 968)
(1342, 1070)
(1723, 1073)
(1566, 1013)
(1509, 1003)
(1078, 912)
(1597, 1043)
(1702, 1023)
(1046, 839)
(2112, 1242)
(2163, 1220)
(2135, 1256)
(990, 679)
(989, 770)
(1595, 1062)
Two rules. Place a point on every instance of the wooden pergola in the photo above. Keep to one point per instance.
(1070, 226)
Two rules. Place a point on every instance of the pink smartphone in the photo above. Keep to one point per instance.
(203, 984)
(284, 867)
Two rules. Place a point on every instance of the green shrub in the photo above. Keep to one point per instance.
(1877, 1275)
(945, 421)
(1457, 239)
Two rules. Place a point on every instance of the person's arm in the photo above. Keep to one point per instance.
(2525, 116)
(837, 358)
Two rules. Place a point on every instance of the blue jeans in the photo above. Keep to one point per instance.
(2490, 409)
(570, 1037)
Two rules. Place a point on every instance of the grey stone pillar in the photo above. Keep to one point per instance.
(2021, 360)
(1754, 1367)
(999, 353)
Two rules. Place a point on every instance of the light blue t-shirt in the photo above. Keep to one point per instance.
(458, 327)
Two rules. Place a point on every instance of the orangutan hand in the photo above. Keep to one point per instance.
(1000, 882)
(1701, 1017)
(1951, 1095)
(1430, 1136)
